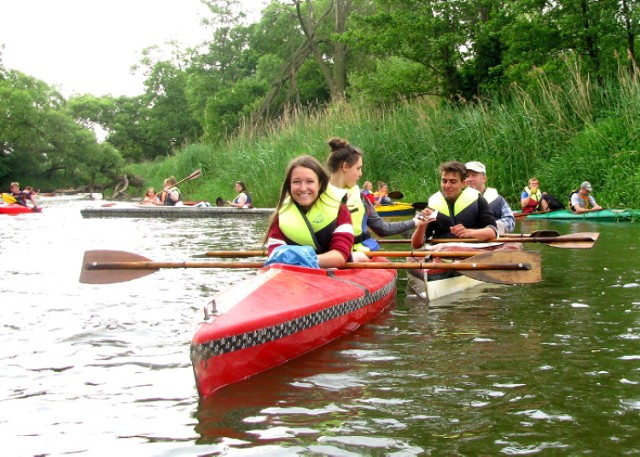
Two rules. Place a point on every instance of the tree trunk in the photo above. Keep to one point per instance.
(309, 28)
(343, 8)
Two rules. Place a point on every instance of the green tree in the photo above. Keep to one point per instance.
(37, 135)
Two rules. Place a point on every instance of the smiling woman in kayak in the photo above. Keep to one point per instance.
(311, 213)
(345, 165)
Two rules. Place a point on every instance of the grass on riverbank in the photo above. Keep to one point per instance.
(563, 134)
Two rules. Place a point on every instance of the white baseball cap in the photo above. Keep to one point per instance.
(478, 167)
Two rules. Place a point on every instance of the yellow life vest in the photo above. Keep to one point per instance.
(358, 213)
(321, 217)
(466, 198)
(537, 195)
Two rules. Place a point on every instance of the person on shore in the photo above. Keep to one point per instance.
(345, 167)
(310, 218)
(381, 196)
(532, 198)
(477, 179)
(582, 201)
(243, 198)
(455, 211)
(171, 195)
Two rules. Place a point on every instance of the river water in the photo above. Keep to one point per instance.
(545, 369)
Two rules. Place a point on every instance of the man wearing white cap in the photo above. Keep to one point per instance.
(477, 179)
(582, 201)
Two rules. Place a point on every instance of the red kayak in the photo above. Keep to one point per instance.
(13, 209)
(279, 314)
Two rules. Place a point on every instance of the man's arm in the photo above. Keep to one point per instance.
(507, 220)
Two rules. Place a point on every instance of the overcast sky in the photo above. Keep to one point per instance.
(89, 46)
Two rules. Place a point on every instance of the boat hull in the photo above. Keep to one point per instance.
(395, 209)
(282, 313)
(174, 212)
(16, 209)
(434, 283)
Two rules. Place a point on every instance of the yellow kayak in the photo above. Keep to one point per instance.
(395, 209)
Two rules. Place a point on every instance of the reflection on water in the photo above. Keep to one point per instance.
(546, 368)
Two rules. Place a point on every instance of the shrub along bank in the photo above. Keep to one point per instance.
(563, 134)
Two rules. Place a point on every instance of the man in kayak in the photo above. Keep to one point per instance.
(532, 198)
(477, 179)
(456, 211)
(582, 201)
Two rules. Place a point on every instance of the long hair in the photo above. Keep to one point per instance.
(342, 152)
(242, 186)
(305, 161)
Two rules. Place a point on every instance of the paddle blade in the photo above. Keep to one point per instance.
(194, 174)
(538, 233)
(419, 206)
(89, 275)
(573, 241)
(530, 260)
(396, 195)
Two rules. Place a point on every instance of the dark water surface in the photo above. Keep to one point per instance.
(546, 369)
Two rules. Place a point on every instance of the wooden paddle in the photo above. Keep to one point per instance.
(416, 253)
(502, 267)
(573, 241)
(535, 234)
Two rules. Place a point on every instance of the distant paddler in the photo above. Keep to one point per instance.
(171, 195)
(21, 197)
(477, 179)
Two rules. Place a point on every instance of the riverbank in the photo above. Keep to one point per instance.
(561, 134)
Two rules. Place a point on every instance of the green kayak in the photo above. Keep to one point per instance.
(603, 215)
